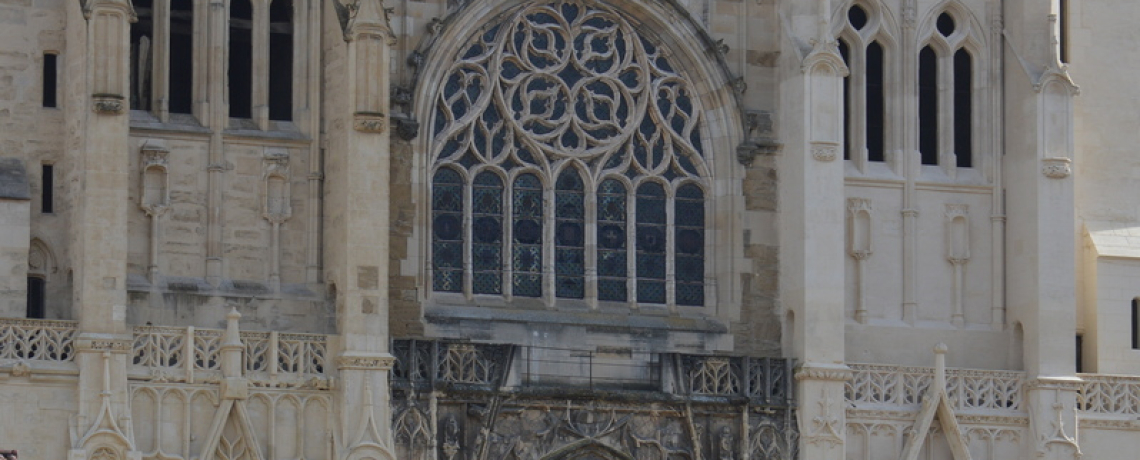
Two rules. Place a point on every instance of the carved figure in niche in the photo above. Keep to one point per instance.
(451, 444)
(727, 441)
(104, 453)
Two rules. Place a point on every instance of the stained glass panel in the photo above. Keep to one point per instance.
(527, 247)
(612, 266)
(689, 237)
(569, 236)
(487, 234)
(447, 231)
(651, 246)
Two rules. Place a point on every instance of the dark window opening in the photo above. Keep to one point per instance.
(142, 55)
(1063, 31)
(36, 297)
(963, 108)
(928, 106)
(945, 24)
(181, 77)
(1136, 324)
(875, 103)
(844, 52)
(281, 60)
(47, 179)
(1080, 351)
(49, 84)
(241, 59)
(857, 17)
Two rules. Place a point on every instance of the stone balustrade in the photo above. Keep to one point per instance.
(37, 340)
(1109, 394)
(196, 349)
(904, 387)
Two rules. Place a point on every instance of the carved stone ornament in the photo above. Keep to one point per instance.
(112, 344)
(406, 127)
(825, 152)
(20, 369)
(1056, 168)
(379, 363)
(107, 104)
(369, 122)
(829, 373)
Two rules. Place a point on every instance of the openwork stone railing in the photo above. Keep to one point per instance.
(760, 379)
(1109, 394)
(198, 349)
(37, 340)
(480, 366)
(905, 386)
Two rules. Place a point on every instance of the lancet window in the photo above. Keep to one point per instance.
(864, 99)
(568, 164)
(945, 94)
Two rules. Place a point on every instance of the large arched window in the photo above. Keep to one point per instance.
(568, 163)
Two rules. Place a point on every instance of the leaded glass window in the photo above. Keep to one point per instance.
(580, 140)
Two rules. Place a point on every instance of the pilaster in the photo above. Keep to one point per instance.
(812, 223)
(356, 219)
(1041, 243)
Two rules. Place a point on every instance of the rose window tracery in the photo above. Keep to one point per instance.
(559, 118)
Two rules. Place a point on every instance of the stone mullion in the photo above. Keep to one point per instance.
(548, 251)
(507, 251)
(857, 110)
(946, 157)
(468, 239)
(670, 253)
(590, 249)
(259, 74)
(631, 245)
(160, 61)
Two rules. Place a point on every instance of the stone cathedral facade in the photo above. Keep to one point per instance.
(569, 229)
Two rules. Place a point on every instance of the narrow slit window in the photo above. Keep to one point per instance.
(37, 293)
(180, 79)
(51, 73)
(875, 103)
(1063, 31)
(281, 60)
(963, 108)
(845, 52)
(240, 77)
(1080, 353)
(1136, 324)
(928, 106)
(47, 189)
(142, 55)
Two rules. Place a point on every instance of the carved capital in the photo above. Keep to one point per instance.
(1056, 168)
(368, 363)
(107, 104)
(831, 373)
(370, 122)
(824, 152)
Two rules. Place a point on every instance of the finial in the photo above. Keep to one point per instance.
(940, 349)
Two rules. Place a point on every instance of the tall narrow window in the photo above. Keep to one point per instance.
(651, 243)
(49, 83)
(36, 297)
(47, 189)
(612, 258)
(569, 236)
(240, 76)
(527, 248)
(142, 55)
(689, 228)
(1080, 353)
(487, 240)
(1063, 31)
(875, 102)
(844, 51)
(181, 76)
(447, 231)
(281, 60)
(963, 108)
(928, 106)
(1136, 324)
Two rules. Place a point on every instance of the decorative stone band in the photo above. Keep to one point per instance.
(827, 372)
(747, 151)
(107, 104)
(1056, 168)
(1047, 383)
(824, 151)
(368, 363)
(370, 122)
(101, 343)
